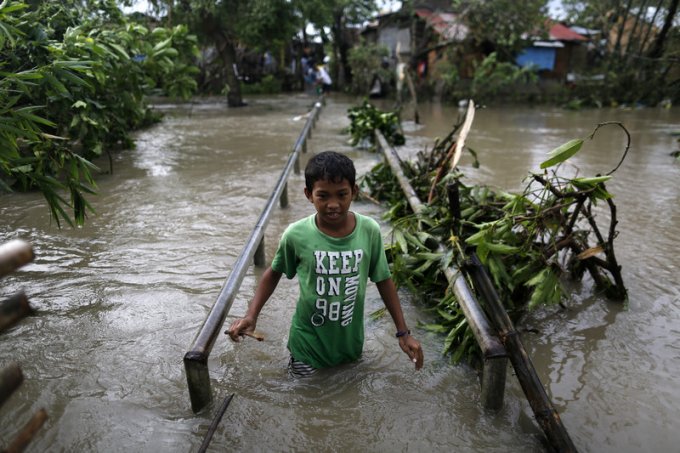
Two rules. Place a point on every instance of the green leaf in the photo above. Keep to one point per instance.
(120, 50)
(547, 291)
(12, 7)
(477, 238)
(503, 249)
(482, 252)
(401, 241)
(24, 113)
(161, 45)
(538, 278)
(562, 153)
(451, 337)
(591, 181)
(71, 77)
(25, 75)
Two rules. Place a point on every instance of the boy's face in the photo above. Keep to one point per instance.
(332, 201)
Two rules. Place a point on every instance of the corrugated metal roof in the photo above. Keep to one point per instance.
(561, 32)
(445, 24)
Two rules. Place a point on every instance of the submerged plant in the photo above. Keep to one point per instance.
(366, 118)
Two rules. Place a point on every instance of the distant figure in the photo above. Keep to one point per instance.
(268, 63)
(378, 86)
(323, 79)
(308, 72)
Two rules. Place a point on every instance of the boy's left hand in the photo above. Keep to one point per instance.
(413, 350)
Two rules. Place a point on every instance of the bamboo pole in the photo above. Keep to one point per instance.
(495, 357)
(13, 255)
(544, 411)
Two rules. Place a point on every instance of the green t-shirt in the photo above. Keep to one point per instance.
(328, 324)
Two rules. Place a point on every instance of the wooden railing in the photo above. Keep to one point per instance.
(499, 341)
(495, 357)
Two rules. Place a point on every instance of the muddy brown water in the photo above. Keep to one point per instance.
(120, 300)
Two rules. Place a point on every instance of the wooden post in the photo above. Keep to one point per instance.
(296, 168)
(494, 368)
(260, 258)
(493, 382)
(14, 309)
(453, 192)
(283, 201)
(10, 379)
(13, 255)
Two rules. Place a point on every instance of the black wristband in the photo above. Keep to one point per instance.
(403, 333)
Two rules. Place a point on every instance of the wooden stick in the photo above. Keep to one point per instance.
(13, 255)
(215, 422)
(14, 309)
(26, 435)
(460, 142)
(440, 172)
(10, 379)
(256, 335)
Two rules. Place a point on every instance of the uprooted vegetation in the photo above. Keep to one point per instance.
(529, 242)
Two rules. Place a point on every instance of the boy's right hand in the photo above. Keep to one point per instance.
(240, 327)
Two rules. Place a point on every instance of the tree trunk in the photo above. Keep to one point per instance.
(227, 52)
(622, 28)
(657, 49)
(648, 32)
(340, 60)
(639, 22)
(228, 55)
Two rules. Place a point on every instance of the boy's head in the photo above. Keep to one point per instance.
(329, 166)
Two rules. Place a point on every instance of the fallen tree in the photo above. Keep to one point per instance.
(529, 242)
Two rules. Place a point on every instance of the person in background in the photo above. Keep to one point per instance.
(323, 79)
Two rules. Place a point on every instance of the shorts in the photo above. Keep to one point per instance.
(298, 369)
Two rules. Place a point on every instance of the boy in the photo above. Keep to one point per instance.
(333, 253)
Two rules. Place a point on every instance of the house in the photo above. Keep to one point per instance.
(561, 54)
(418, 39)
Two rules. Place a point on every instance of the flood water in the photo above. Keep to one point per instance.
(120, 300)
